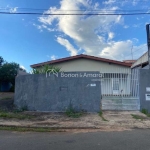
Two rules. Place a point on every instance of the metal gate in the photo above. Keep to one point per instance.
(120, 90)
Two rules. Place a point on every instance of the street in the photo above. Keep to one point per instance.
(124, 140)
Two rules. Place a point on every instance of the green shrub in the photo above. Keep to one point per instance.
(70, 112)
(101, 115)
(144, 111)
(46, 69)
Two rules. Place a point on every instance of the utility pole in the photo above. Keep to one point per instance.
(132, 52)
(148, 42)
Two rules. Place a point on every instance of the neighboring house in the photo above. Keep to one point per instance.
(117, 74)
(129, 61)
(21, 72)
(142, 62)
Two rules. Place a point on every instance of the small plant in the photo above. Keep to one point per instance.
(8, 115)
(32, 129)
(5, 98)
(70, 112)
(137, 116)
(45, 69)
(101, 115)
(144, 111)
(73, 114)
(24, 108)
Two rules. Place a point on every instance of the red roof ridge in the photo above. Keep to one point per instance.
(82, 56)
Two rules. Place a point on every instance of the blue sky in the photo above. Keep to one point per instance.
(30, 39)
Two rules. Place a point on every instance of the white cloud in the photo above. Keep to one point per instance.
(42, 27)
(122, 50)
(39, 27)
(116, 50)
(22, 67)
(68, 46)
(126, 26)
(109, 2)
(135, 2)
(13, 10)
(139, 50)
(86, 31)
(111, 35)
(137, 25)
(93, 34)
(53, 57)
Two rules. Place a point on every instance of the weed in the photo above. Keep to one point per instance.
(5, 98)
(144, 111)
(101, 115)
(24, 108)
(137, 116)
(26, 129)
(8, 115)
(70, 112)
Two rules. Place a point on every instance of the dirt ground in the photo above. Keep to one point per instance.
(114, 120)
(6, 95)
(6, 101)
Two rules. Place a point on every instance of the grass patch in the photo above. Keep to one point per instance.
(101, 115)
(5, 98)
(137, 117)
(73, 114)
(148, 115)
(9, 115)
(26, 129)
(144, 111)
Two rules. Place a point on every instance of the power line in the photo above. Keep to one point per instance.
(135, 50)
(92, 10)
(78, 14)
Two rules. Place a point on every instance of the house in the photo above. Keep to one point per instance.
(116, 74)
(141, 62)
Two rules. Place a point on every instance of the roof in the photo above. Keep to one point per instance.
(81, 56)
(140, 61)
(129, 61)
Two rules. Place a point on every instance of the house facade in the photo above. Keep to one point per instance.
(141, 62)
(116, 74)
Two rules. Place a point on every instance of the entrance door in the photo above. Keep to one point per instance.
(115, 86)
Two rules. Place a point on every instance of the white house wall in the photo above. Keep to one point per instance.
(83, 64)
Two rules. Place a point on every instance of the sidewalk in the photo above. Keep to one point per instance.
(116, 121)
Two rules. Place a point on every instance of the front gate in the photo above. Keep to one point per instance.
(120, 90)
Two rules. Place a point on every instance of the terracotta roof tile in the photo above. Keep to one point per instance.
(81, 56)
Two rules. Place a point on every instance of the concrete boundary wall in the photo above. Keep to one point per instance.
(57, 92)
(144, 89)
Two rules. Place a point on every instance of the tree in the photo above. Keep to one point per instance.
(8, 72)
(1, 61)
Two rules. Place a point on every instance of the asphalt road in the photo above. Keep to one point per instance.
(126, 140)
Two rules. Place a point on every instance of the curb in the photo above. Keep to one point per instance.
(36, 127)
